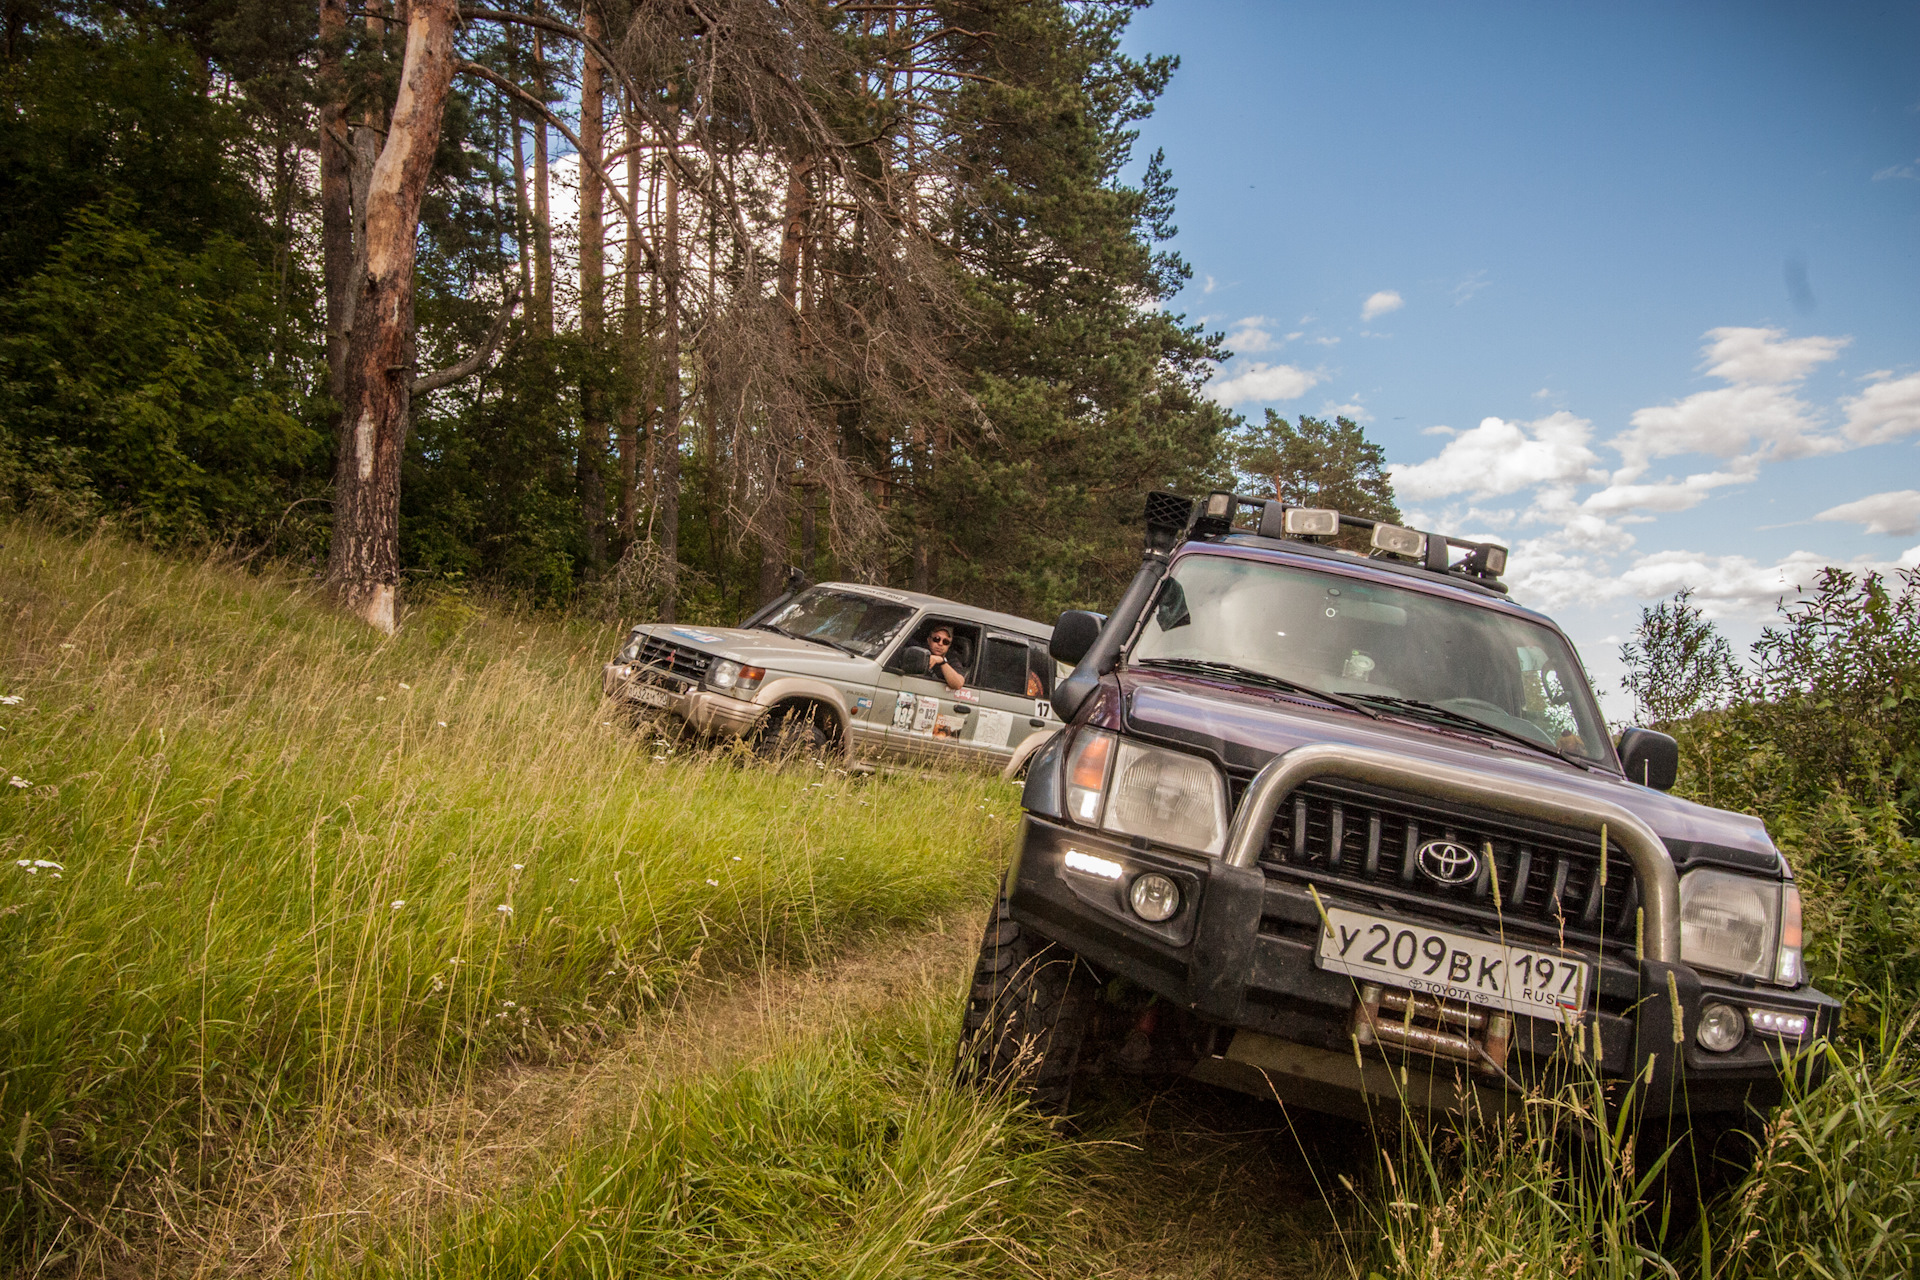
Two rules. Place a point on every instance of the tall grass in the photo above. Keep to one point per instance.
(264, 869)
(850, 1157)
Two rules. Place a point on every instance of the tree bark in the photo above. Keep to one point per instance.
(592, 458)
(364, 566)
(630, 345)
(336, 199)
(541, 309)
(668, 476)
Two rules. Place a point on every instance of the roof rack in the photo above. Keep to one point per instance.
(1172, 518)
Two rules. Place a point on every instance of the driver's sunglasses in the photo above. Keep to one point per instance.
(939, 639)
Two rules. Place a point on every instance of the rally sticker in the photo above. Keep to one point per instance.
(1043, 708)
(966, 695)
(703, 637)
(903, 710)
(949, 726)
(861, 704)
(924, 711)
(992, 727)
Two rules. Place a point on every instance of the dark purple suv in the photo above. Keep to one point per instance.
(1346, 826)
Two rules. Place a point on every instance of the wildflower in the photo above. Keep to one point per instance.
(18, 781)
(504, 909)
(11, 700)
(399, 903)
(441, 723)
(405, 685)
(508, 1004)
(382, 698)
(714, 883)
(736, 857)
(519, 866)
(66, 646)
(438, 985)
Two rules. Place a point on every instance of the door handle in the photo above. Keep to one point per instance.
(961, 710)
(1037, 724)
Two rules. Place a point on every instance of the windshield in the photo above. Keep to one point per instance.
(843, 619)
(1383, 646)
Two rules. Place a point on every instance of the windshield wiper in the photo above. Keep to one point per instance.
(1417, 707)
(795, 635)
(1251, 676)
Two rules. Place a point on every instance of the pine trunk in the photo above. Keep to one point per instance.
(592, 459)
(542, 307)
(364, 566)
(336, 199)
(667, 478)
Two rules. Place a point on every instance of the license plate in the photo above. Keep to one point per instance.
(649, 696)
(1453, 966)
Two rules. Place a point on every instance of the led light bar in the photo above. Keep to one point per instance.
(1104, 868)
(1312, 521)
(1791, 1025)
(1394, 540)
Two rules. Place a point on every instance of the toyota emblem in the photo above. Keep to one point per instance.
(1447, 862)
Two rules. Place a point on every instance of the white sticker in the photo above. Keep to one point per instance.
(1043, 708)
(903, 710)
(702, 637)
(949, 726)
(966, 695)
(924, 712)
(993, 727)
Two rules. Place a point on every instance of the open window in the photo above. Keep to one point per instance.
(965, 650)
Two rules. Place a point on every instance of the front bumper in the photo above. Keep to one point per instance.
(650, 688)
(1240, 954)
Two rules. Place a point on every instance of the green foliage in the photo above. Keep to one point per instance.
(1315, 464)
(111, 111)
(279, 848)
(1678, 664)
(851, 1156)
(146, 371)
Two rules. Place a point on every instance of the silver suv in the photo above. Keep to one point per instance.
(843, 667)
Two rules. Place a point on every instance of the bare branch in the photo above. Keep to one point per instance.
(481, 354)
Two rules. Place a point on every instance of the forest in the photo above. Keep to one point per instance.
(617, 305)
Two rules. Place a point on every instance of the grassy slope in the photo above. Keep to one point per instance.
(288, 848)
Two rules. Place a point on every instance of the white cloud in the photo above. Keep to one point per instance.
(1664, 495)
(1766, 355)
(1257, 382)
(1209, 286)
(1469, 286)
(1499, 457)
(1885, 411)
(1351, 409)
(1250, 334)
(1897, 513)
(1907, 171)
(1380, 303)
(1751, 423)
(1324, 342)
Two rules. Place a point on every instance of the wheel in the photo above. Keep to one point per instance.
(1028, 1015)
(792, 732)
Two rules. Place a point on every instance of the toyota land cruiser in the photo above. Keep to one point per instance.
(1341, 826)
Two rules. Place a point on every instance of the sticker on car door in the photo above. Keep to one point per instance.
(925, 711)
(992, 727)
(903, 705)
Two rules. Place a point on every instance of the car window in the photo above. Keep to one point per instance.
(1041, 663)
(1003, 667)
(854, 621)
(966, 645)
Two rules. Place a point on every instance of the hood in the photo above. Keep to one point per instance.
(1244, 729)
(778, 654)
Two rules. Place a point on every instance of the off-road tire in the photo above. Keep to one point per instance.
(1028, 1015)
(792, 733)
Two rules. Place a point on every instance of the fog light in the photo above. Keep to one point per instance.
(1722, 1027)
(1154, 897)
(1393, 539)
(1312, 521)
(1792, 1026)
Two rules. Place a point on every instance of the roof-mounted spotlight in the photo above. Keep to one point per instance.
(1216, 515)
(1311, 522)
(1394, 540)
(1167, 517)
(1488, 560)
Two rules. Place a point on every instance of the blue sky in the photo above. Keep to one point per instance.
(1633, 288)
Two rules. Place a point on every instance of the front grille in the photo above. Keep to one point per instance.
(1549, 878)
(664, 655)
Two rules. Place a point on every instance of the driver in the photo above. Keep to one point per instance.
(940, 644)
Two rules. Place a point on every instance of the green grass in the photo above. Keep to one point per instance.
(304, 871)
(850, 1157)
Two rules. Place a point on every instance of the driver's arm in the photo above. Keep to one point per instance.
(941, 669)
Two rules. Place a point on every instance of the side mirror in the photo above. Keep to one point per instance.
(1073, 635)
(1650, 758)
(915, 660)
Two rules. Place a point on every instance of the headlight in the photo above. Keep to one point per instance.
(728, 674)
(1731, 924)
(1168, 797)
